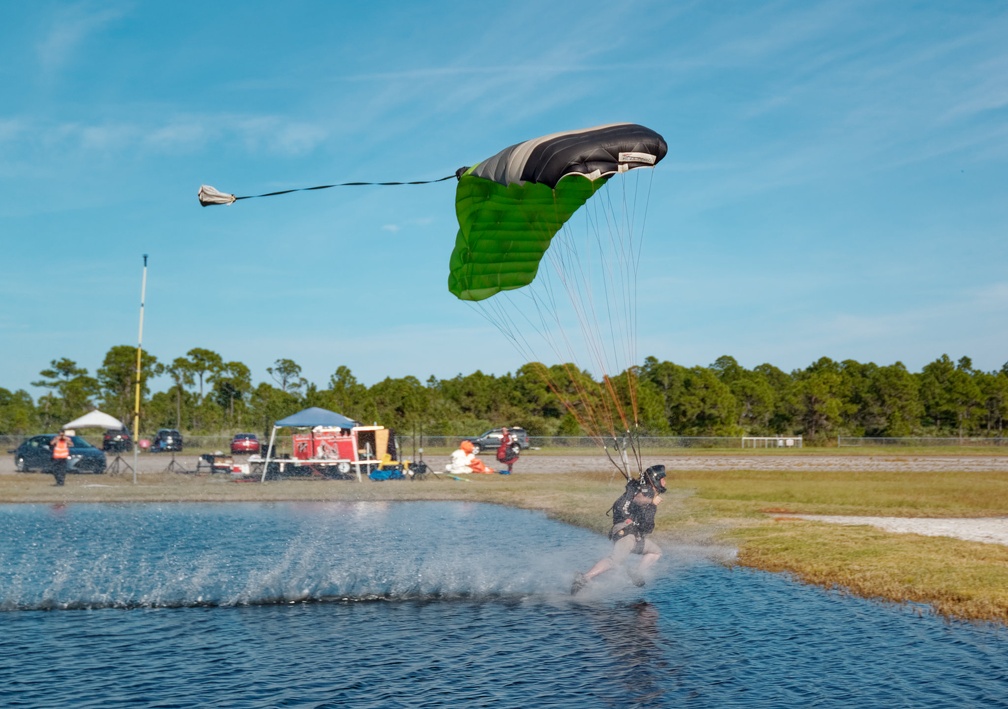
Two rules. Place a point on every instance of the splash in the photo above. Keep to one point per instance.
(168, 556)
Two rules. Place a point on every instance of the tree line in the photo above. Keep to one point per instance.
(209, 395)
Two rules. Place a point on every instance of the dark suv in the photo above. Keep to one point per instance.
(117, 440)
(167, 439)
(491, 440)
(35, 454)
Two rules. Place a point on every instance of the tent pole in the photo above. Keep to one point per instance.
(269, 450)
(136, 399)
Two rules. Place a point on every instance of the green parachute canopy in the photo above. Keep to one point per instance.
(510, 206)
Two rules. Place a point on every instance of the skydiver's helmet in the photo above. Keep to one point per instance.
(655, 477)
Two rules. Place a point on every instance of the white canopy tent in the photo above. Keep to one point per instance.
(96, 419)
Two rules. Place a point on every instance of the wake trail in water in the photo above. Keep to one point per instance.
(90, 557)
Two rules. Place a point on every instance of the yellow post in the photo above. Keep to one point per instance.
(136, 398)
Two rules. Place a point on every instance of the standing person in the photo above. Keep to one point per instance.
(508, 451)
(60, 445)
(633, 520)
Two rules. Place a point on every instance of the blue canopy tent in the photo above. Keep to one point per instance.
(309, 418)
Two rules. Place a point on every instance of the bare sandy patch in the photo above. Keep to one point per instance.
(991, 530)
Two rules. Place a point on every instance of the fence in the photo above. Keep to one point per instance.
(855, 442)
(586, 442)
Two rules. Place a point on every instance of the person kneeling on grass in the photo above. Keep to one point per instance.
(633, 519)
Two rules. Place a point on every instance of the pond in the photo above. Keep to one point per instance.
(434, 604)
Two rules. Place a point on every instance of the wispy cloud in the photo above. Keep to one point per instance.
(271, 134)
(276, 134)
(70, 29)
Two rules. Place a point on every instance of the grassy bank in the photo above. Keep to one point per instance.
(748, 509)
(956, 578)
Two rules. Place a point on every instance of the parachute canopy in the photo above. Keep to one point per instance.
(511, 205)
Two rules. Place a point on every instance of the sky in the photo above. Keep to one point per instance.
(836, 183)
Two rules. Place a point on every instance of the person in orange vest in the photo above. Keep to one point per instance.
(60, 444)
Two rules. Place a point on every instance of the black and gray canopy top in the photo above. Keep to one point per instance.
(592, 152)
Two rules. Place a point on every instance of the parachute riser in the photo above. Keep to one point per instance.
(630, 441)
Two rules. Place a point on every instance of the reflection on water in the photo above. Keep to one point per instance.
(431, 604)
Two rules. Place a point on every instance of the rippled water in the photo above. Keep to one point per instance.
(434, 604)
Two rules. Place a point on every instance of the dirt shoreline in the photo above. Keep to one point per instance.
(990, 530)
(532, 462)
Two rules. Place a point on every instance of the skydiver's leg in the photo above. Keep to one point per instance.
(620, 552)
(649, 557)
(60, 471)
(601, 566)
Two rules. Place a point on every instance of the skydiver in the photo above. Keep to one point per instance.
(633, 520)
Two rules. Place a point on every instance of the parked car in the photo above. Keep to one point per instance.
(244, 443)
(491, 440)
(117, 440)
(34, 454)
(167, 439)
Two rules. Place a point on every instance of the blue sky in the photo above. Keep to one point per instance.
(836, 183)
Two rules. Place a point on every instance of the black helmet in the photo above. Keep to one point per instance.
(655, 477)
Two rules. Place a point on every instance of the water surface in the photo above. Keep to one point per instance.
(434, 604)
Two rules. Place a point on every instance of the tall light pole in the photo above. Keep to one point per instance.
(136, 399)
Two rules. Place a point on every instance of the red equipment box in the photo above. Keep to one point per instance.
(303, 446)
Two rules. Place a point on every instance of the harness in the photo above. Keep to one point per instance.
(625, 515)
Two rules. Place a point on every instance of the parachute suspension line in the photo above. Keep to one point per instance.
(571, 270)
(634, 256)
(608, 363)
(617, 284)
(591, 344)
(631, 249)
(623, 237)
(623, 233)
(566, 272)
(500, 312)
(597, 437)
(210, 196)
(564, 263)
(631, 298)
(545, 297)
(593, 276)
(631, 253)
(500, 317)
(645, 195)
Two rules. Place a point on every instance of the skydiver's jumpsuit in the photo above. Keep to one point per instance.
(633, 520)
(633, 514)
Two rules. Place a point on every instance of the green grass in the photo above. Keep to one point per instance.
(911, 494)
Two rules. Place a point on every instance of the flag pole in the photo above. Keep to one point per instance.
(136, 399)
